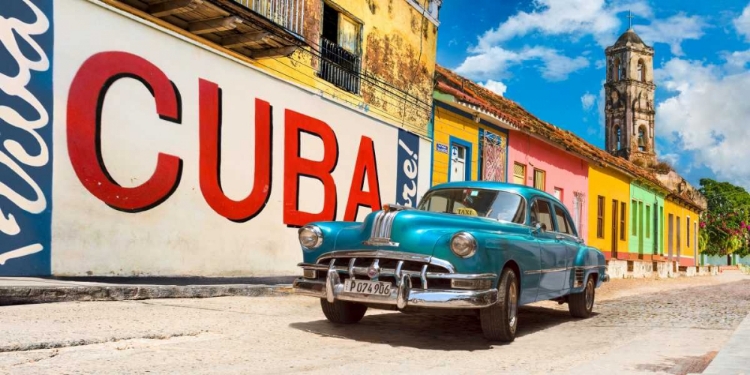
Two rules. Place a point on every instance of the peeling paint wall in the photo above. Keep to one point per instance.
(398, 48)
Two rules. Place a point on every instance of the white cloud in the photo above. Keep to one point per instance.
(491, 58)
(565, 17)
(495, 61)
(742, 23)
(707, 116)
(673, 31)
(588, 100)
(671, 158)
(495, 86)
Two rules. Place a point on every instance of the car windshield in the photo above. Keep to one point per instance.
(499, 205)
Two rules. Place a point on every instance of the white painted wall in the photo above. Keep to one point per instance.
(183, 235)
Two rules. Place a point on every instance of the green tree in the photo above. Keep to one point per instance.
(725, 227)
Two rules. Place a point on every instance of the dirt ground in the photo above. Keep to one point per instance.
(672, 326)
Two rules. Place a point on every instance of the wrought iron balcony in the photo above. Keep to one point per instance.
(339, 66)
(288, 14)
(255, 28)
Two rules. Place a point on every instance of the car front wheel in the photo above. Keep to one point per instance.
(581, 304)
(343, 312)
(499, 321)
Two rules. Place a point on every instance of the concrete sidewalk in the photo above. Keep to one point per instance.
(734, 357)
(25, 290)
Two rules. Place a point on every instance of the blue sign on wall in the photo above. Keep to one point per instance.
(441, 148)
(408, 169)
(26, 40)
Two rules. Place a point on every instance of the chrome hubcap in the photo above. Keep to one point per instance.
(512, 305)
(589, 296)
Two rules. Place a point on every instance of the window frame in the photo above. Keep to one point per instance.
(544, 179)
(523, 178)
(600, 215)
(623, 220)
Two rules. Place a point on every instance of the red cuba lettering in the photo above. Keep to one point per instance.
(366, 165)
(84, 113)
(210, 157)
(295, 167)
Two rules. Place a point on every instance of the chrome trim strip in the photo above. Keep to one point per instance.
(423, 277)
(397, 255)
(461, 276)
(351, 268)
(550, 270)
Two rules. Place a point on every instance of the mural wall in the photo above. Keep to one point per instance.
(171, 159)
(26, 40)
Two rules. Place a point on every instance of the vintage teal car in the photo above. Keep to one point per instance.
(474, 247)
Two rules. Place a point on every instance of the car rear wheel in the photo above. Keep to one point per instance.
(343, 312)
(499, 321)
(581, 304)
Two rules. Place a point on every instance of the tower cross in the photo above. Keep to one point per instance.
(630, 19)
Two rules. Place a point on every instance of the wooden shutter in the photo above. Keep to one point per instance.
(539, 179)
(519, 174)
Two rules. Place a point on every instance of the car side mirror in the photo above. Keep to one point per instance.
(539, 227)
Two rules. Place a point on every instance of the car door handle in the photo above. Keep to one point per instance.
(559, 237)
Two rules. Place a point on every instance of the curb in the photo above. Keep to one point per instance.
(733, 358)
(19, 295)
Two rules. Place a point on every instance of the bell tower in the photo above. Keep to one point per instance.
(629, 96)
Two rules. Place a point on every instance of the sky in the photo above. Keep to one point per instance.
(548, 56)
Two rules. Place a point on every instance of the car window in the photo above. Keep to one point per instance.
(495, 204)
(562, 222)
(541, 213)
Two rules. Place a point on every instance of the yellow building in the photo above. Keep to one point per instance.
(680, 233)
(609, 197)
(376, 56)
(460, 141)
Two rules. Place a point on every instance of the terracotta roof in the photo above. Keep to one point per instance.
(466, 91)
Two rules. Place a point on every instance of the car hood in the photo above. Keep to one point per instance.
(410, 231)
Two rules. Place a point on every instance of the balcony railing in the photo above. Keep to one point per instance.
(288, 14)
(339, 66)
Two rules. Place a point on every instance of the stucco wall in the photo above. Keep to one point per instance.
(398, 47)
(159, 167)
(562, 170)
(644, 232)
(612, 186)
(686, 253)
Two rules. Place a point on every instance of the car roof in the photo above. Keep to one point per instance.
(527, 192)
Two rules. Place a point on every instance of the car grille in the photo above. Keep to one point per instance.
(387, 270)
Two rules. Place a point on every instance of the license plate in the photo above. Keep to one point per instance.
(378, 288)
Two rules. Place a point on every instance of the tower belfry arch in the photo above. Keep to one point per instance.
(629, 88)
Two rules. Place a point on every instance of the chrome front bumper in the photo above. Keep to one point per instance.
(403, 295)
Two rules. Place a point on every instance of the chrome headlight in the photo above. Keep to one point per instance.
(463, 244)
(310, 237)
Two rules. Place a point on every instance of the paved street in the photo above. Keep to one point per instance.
(640, 326)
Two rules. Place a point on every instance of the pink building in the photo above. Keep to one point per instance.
(533, 162)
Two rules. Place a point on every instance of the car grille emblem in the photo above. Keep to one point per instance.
(374, 270)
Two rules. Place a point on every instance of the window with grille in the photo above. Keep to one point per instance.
(600, 217)
(539, 176)
(648, 221)
(340, 50)
(634, 217)
(688, 232)
(623, 210)
(519, 174)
